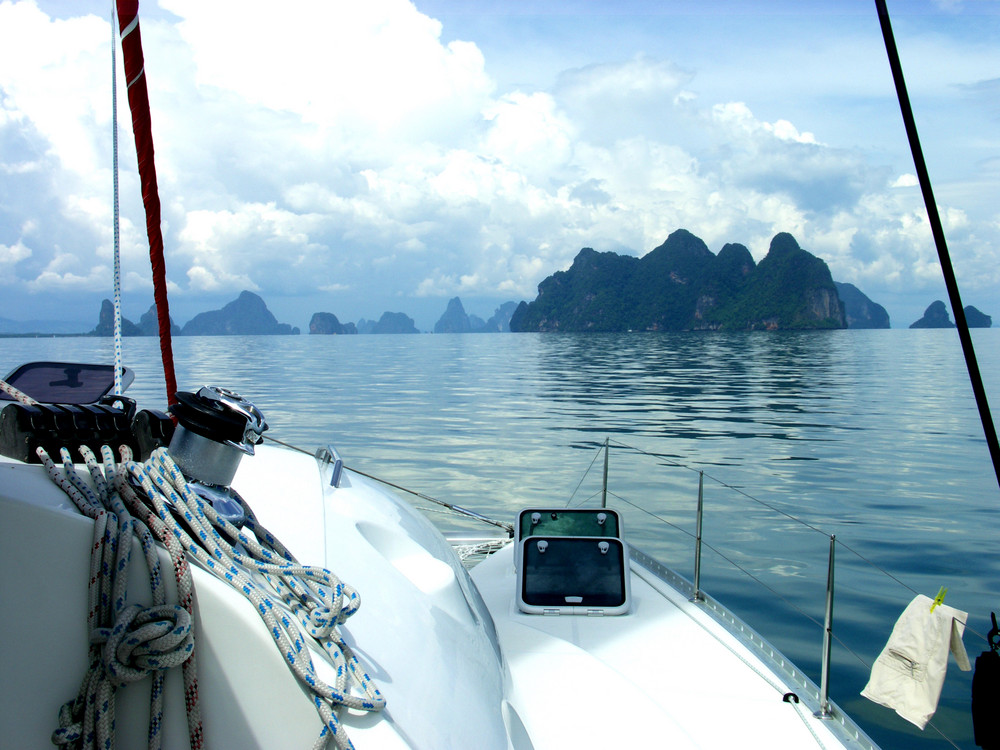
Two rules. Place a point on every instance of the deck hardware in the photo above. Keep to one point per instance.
(824, 685)
(329, 455)
(574, 574)
(604, 489)
(697, 539)
(789, 698)
(535, 518)
(216, 427)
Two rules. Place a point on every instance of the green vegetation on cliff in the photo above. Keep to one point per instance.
(681, 285)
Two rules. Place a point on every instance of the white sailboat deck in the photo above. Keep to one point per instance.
(667, 675)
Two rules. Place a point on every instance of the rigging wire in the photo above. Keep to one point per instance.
(939, 240)
(508, 527)
(726, 485)
(596, 456)
(117, 244)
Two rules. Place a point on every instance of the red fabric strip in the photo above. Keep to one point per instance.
(138, 102)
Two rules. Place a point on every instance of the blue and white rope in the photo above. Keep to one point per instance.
(257, 565)
(185, 595)
(127, 643)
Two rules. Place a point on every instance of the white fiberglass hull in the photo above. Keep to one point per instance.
(419, 631)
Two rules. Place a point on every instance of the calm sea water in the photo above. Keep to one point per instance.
(869, 435)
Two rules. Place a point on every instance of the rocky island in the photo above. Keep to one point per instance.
(455, 319)
(147, 325)
(936, 316)
(390, 322)
(682, 286)
(327, 323)
(861, 312)
(246, 315)
(977, 319)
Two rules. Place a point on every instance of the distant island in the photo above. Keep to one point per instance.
(455, 319)
(977, 319)
(248, 315)
(327, 324)
(936, 316)
(861, 312)
(682, 286)
(679, 286)
(147, 325)
(390, 322)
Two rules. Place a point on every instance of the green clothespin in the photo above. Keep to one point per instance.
(939, 599)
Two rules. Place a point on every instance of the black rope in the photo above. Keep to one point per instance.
(938, 231)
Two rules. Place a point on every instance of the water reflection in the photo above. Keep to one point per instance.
(691, 386)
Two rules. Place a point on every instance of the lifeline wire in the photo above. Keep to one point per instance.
(750, 575)
(772, 508)
(457, 509)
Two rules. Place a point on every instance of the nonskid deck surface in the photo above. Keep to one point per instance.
(665, 675)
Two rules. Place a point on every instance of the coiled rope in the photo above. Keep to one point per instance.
(127, 643)
(291, 599)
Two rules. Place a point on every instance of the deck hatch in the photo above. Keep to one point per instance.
(573, 575)
(591, 522)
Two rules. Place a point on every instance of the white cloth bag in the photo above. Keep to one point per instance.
(909, 673)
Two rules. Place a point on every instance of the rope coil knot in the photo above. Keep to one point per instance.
(145, 640)
(321, 622)
(320, 601)
(70, 729)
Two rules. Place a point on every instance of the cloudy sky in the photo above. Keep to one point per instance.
(388, 155)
